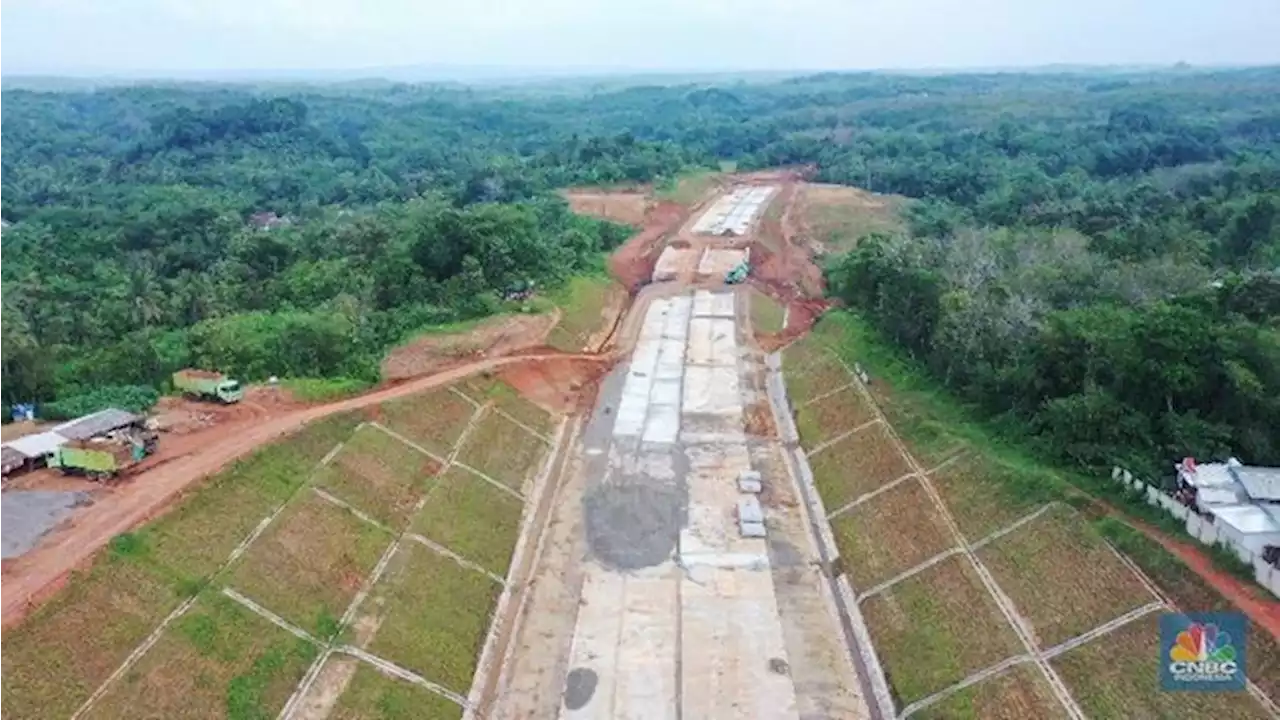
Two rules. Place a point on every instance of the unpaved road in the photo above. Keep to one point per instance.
(33, 577)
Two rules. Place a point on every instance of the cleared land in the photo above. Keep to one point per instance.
(472, 518)
(828, 417)
(217, 661)
(935, 628)
(766, 314)
(450, 345)
(1117, 677)
(1062, 577)
(838, 216)
(588, 306)
(310, 563)
(985, 495)
(433, 420)
(889, 534)
(503, 450)
(689, 188)
(379, 475)
(436, 616)
(621, 206)
(373, 696)
(1019, 693)
(856, 465)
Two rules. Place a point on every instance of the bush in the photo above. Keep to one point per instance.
(134, 398)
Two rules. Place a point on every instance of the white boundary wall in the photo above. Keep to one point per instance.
(1203, 529)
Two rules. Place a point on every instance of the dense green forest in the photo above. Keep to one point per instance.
(1093, 258)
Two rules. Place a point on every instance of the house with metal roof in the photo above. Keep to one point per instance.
(1242, 500)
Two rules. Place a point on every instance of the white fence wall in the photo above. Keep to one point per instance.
(1202, 529)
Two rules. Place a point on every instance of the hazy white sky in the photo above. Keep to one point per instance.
(181, 36)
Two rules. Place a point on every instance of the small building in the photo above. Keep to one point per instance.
(35, 450)
(101, 423)
(1253, 527)
(1243, 502)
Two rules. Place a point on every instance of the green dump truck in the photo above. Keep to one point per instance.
(208, 385)
(105, 458)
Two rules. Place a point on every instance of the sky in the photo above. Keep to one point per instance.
(191, 37)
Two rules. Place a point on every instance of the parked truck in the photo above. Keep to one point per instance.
(104, 458)
(208, 385)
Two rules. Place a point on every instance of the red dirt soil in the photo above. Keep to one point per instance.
(560, 385)
(1263, 611)
(506, 335)
(632, 264)
(34, 577)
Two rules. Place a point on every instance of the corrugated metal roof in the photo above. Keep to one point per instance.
(1218, 496)
(1247, 519)
(38, 445)
(10, 458)
(1262, 483)
(99, 423)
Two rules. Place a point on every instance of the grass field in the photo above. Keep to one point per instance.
(582, 302)
(56, 658)
(856, 465)
(436, 618)
(503, 450)
(838, 216)
(433, 420)
(1117, 677)
(889, 534)
(810, 370)
(688, 188)
(1062, 577)
(380, 475)
(1192, 594)
(472, 518)
(828, 417)
(373, 696)
(986, 495)
(310, 563)
(766, 314)
(196, 537)
(508, 400)
(1019, 693)
(217, 661)
(935, 628)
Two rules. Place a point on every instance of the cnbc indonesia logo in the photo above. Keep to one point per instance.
(1202, 655)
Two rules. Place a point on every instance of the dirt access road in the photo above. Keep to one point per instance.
(33, 577)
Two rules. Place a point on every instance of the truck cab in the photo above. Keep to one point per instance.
(229, 391)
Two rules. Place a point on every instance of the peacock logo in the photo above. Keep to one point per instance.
(1201, 654)
(1202, 643)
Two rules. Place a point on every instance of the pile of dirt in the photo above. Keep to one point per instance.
(560, 385)
(494, 337)
(632, 264)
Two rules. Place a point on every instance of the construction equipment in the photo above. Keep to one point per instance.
(208, 385)
(104, 458)
(738, 273)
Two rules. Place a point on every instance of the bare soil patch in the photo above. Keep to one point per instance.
(493, 337)
(1018, 693)
(936, 628)
(557, 385)
(632, 264)
(624, 206)
(889, 534)
(856, 465)
(1063, 579)
(837, 216)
